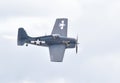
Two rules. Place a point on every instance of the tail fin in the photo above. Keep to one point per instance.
(22, 37)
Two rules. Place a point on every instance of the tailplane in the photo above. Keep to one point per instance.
(22, 37)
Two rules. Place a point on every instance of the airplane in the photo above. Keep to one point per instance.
(57, 42)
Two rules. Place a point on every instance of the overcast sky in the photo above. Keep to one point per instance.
(97, 23)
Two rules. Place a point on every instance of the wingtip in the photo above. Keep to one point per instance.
(56, 60)
(62, 19)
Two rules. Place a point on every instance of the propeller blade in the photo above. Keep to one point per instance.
(77, 44)
(76, 49)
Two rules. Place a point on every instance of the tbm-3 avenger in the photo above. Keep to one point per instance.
(57, 42)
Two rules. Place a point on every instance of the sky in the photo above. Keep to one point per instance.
(97, 24)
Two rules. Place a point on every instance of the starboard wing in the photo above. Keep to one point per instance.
(57, 53)
(60, 27)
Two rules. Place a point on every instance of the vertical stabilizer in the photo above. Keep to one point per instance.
(22, 37)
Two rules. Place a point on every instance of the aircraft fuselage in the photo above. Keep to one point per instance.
(52, 40)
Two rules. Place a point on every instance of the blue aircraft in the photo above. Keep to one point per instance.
(57, 41)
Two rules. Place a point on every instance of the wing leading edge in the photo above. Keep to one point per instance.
(60, 27)
(57, 53)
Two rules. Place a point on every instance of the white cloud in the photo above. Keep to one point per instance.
(26, 81)
(46, 8)
(14, 38)
(114, 10)
(60, 80)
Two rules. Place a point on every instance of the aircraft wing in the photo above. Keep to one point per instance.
(57, 52)
(60, 27)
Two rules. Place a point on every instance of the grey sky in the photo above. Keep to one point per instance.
(97, 23)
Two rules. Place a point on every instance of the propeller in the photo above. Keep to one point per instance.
(77, 45)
